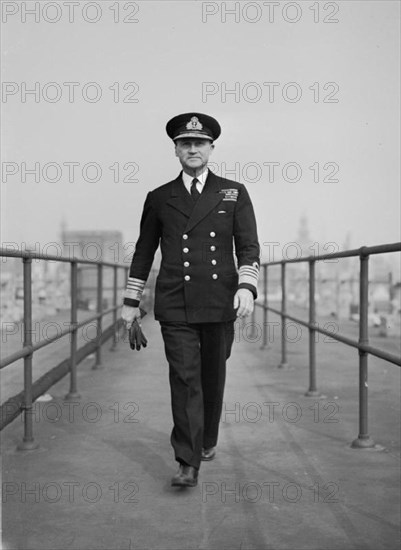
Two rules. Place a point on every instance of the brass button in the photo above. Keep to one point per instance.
(185, 250)
(215, 276)
(212, 248)
(187, 278)
(212, 234)
(186, 264)
(214, 262)
(185, 236)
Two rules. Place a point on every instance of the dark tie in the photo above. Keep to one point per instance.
(194, 192)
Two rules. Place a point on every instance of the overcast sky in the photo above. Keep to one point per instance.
(334, 107)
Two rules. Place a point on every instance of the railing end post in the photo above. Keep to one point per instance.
(27, 445)
(98, 365)
(72, 395)
(284, 366)
(365, 443)
(313, 393)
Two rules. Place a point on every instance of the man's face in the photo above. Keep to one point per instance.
(193, 154)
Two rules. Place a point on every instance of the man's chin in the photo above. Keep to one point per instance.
(194, 166)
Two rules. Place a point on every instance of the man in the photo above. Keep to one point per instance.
(196, 218)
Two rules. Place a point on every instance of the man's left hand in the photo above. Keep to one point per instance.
(243, 300)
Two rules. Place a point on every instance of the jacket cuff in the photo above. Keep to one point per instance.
(249, 274)
(134, 289)
(249, 287)
(130, 302)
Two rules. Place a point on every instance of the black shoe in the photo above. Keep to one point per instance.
(187, 476)
(208, 454)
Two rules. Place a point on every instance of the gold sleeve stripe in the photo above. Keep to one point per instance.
(249, 274)
(134, 288)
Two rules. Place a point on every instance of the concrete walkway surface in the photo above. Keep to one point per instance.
(285, 476)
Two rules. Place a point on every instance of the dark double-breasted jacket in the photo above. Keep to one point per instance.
(209, 249)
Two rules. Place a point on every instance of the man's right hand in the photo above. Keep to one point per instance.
(129, 314)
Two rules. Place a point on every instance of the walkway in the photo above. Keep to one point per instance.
(284, 477)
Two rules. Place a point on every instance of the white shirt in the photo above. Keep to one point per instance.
(187, 180)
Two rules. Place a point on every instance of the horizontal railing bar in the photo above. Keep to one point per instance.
(97, 315)
(105, 288)
(40, 256)
(15, 356)
(13, 407)
(88, 267)
(396, 360)
(363, 251)
(362, 347)
(27, 350)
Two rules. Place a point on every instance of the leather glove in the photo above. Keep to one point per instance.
(136, 336)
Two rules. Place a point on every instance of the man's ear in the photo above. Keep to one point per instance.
(211, 147)
(175, 149)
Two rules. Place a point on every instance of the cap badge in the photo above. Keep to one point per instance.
(194, 124)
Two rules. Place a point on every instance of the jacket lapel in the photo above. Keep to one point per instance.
(180, 199)
(209, 199)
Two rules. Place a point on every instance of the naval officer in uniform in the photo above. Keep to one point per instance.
(206, 228)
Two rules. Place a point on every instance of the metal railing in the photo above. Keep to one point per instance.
(22, 403)
(363, 440)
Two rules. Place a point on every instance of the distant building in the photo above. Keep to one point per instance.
(337, 280)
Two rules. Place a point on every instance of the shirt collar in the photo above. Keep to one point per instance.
(187, 179)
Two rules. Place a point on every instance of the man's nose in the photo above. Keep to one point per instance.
(192, 148)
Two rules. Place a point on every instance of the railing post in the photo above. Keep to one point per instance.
(312, 391)
(283, 364)
(99, 309)
(115, 332)
(73, 393)
(28, 443)
(265, 312)
(253, 323)
(363, 440)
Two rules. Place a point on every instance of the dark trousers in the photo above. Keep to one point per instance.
(197, 355)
